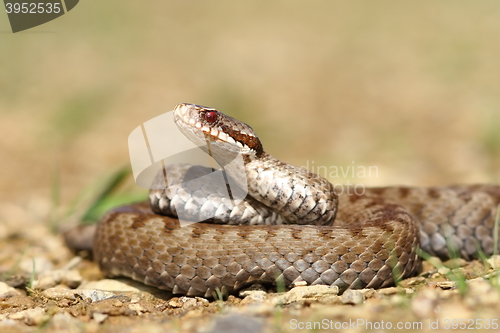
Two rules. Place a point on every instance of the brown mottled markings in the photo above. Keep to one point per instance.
(486, 219)
(390, 215)
(403, 192)
(378, 191)
(138, 221)
(169, 224)
(296, 233)
(243, 234)
(112, 215)
(355, 231)
(196, 233)
(433, 193)
(354, 197)
(376, 201)
(495, 193)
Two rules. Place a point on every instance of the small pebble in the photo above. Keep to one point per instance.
(37, 264)
(309, 293)
(99, 317)
(46, 281)
(7, 291)
(431, 263)
(479, 286)
(72, 278)
(300, 284)
(75, 261)
(95, 295)
(481, 293)
(446, 285)
(251, 296)
(139, 310)
(63, 322)
(444, 270)
(415, 280)
(494, 261)
(368, 293)
(424, 303)
(253, 287)
(457, 313)
(52, 278)
(394, 290)
(353, 297)
(455, 263)
(186, 303)
(31, 317)
(59, 293)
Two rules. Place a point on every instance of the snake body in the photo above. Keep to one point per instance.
(292, 226)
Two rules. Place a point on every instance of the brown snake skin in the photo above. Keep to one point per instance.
(374, 238)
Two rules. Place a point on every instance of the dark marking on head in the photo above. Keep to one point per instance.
(249, 140)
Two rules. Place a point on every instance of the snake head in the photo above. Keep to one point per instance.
(207, 126)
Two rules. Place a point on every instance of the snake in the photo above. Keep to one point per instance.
(292, 225)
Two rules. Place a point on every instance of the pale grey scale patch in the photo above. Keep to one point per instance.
(237, 213)
(285, 194)
(214, 132)
(274, 191)
(265, 184)
(207, 209)
(168, 206)
(181, 193)
(247, 214)
(308, 203)
(192, 206)
(256, 220)
(221, 212)
(301, 205)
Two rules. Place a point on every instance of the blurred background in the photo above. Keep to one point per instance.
(412, 88)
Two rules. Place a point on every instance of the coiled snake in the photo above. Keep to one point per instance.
(292, 227)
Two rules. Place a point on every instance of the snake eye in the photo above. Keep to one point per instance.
(211, 116)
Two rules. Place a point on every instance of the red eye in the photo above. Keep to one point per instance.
(211, 116)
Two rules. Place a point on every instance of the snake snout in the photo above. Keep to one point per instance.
(200, 123)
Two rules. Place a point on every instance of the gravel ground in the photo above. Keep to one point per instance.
(46, 288)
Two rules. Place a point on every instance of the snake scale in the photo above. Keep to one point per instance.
(293, 226)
